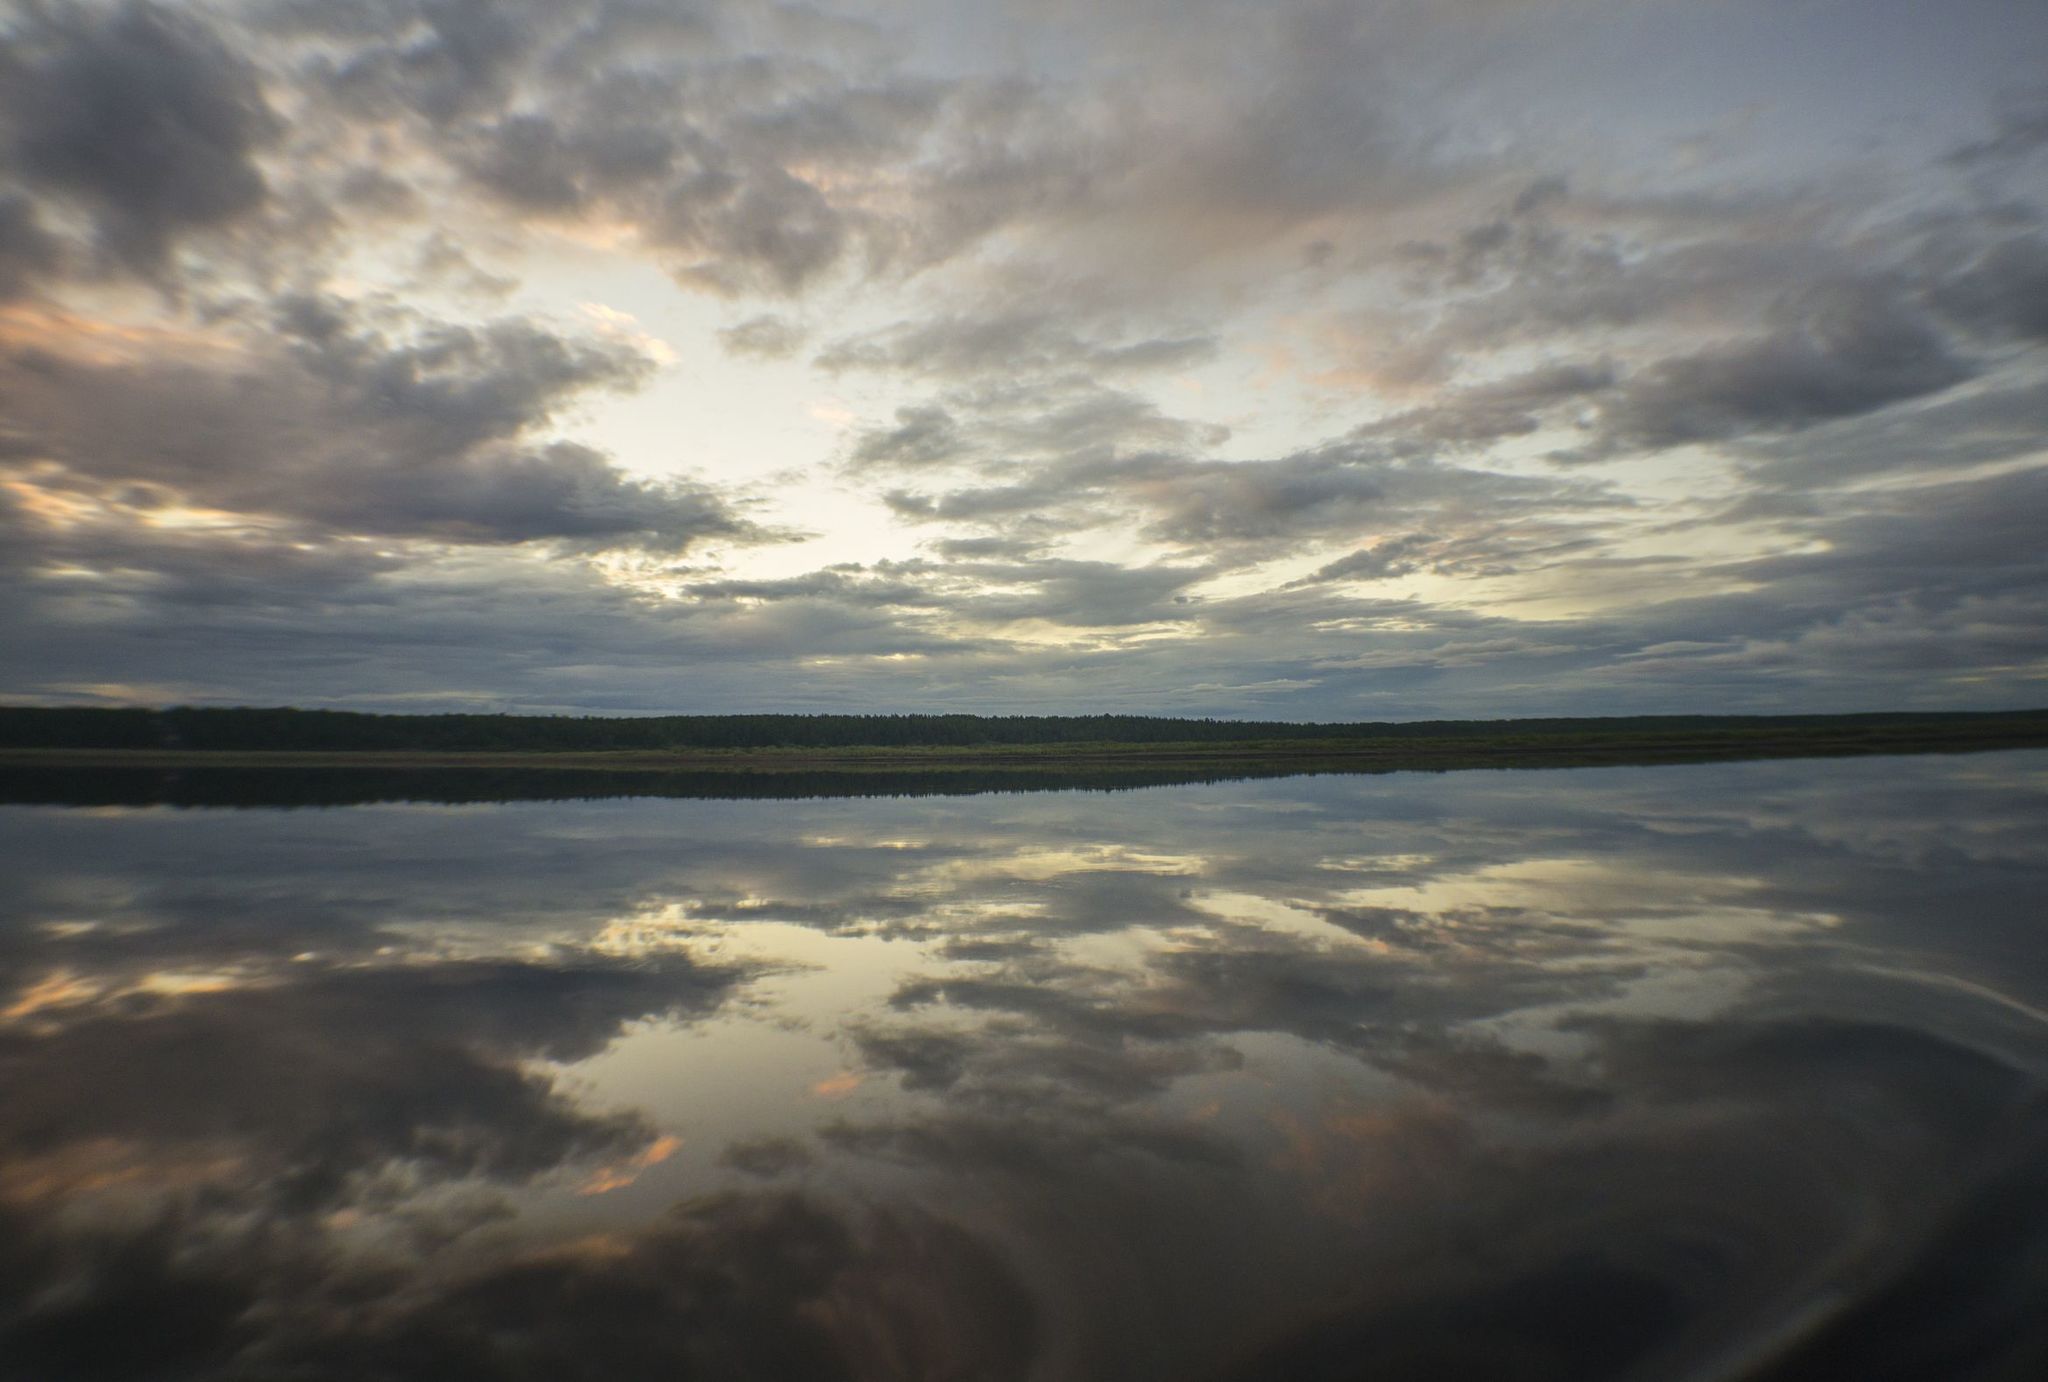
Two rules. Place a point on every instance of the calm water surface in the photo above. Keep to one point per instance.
(1699, 1072)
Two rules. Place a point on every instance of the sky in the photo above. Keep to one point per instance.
(1245, 358)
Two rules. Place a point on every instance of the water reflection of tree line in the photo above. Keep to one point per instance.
(54, 782)
(286, 787)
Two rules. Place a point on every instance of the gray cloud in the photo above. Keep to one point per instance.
(1847, 349)
(765, 337)
(1252, 508)
(2001, 421)
(413, 429)
(141, 116)
(674, 121)
(923, 435)
(852, 584)
(2021, 129)
(1014, 340)
(1481, 414)
(1339, 488)
(1397, 556)
(438, 60)
(27, 250)
(2005, 289)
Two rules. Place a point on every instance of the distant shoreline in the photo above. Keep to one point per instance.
(1498, 744)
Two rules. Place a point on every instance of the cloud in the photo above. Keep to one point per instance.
(1847, 349)
(922, 436)
(1480, 414)
(27, 250)
(2003, 289)
(530, 161)
(765, 337)
(746, 168)
(1012, 340)
(1393, 557)
(1209, 506)
(438, 61)
(852, 584)
(407, 428)
(139, 115)
(2020, 129)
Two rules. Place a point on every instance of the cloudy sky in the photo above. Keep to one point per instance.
(1381, 359)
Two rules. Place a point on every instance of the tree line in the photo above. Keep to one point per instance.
(243, 728)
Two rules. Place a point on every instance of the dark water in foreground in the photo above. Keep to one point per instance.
(1697, 1072)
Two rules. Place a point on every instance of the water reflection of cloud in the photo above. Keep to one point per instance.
(1324, 1075)
(319, 1087)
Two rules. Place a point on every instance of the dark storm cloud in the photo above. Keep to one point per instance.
(138, 114)
(405, 428)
